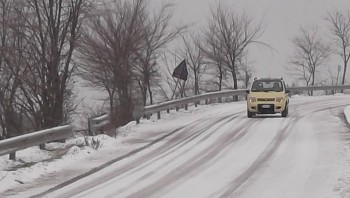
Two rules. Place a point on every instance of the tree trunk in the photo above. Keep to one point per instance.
(235, 83)
(344, 75)
(220, 81)
(312, 83)
(53, 111)
(221, 76)
(144, 96)
(196, 86)
(150, 94)
(143, 92)
(126, 106)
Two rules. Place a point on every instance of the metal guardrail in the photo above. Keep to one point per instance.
(11, 145)
(157, 108)
(97, 123)
(183, 101)
(316, 88)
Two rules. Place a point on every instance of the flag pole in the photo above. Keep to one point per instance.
(177, 82)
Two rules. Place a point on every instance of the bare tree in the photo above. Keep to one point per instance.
(157, 34)
(310, 54)
(245, 70)
(213, 57)
(340, 29)
(233, 34)
(12, 68)
(195, 59)
(109, 49)
(52, 30)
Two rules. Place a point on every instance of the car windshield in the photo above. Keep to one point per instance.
(267, 85)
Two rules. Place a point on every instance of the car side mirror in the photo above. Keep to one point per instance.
(247, 91)
(287, 91)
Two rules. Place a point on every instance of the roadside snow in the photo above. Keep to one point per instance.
(80, 154)
(33, 163)
(76, 158)
(344, 182)
(347, 113)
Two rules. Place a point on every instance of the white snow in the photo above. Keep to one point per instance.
(62, 161)
(347, 113)
(32, 163)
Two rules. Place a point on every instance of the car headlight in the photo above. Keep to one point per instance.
(279, 99)
(252, 99)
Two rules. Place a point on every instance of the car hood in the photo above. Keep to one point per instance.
(271, 94)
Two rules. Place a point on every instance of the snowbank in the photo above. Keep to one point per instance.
(33, 163)
(347, 113)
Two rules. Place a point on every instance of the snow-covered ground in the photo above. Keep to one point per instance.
(61, 162)
(347, 113)
(34, 164)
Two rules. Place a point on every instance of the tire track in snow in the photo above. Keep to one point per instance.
(175, 150)
(173, 142)
(178, 142)
(131, 153)
(259, 162)
(276, 142)
(184, 140)
(196, 163)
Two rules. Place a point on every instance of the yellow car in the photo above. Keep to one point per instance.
(267, 96)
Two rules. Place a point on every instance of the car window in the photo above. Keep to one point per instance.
(267, 85)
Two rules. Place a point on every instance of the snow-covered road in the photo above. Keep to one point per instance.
(222, 153)
(210, 151)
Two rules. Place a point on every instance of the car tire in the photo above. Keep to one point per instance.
(285, 112)
(249, 114)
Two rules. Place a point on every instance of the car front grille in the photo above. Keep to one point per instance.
(266, 109)
(266, 99)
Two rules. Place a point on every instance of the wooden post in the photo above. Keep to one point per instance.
(90, 132)
(168, 110)
(158, 115)
(177, 108)
(42, 146)
(186, 107)
(12, 156)
(177, 82)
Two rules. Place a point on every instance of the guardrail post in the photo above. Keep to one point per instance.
(12, 156)
(186, 107)
(168, 110)
(158, 115)
(42, 146)
(177, 108)
(90, 130)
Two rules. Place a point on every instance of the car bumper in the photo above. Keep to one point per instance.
(267, 108)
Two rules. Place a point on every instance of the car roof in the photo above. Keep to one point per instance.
(280, 79)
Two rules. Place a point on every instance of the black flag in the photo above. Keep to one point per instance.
(181, 71)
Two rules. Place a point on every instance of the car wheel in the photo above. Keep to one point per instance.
(285, 112)
(249, 114)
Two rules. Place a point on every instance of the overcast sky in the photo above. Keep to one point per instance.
(282, 20)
